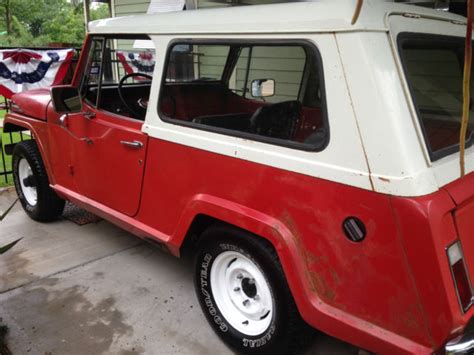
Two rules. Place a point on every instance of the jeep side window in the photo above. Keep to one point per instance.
(284, 65)
(266, 92)
(434, 70)
(118, 75)
(188, 63)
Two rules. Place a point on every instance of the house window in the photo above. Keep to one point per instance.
(268, 92)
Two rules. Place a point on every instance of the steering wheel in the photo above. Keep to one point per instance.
(122, 98)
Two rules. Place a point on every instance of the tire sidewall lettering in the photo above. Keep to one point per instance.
(231, 247)
(208, 300)
(256, 343)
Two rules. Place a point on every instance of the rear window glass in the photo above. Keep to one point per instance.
(434, 69)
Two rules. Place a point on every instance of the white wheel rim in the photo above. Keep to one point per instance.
(242, 293)
(25, 173)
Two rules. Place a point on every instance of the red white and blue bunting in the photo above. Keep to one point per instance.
(25, 69)
(137, 62)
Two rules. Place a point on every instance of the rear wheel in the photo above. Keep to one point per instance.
(243, 292)
(39, 201)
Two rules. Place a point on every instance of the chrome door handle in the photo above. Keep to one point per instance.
(63, 120)
(134, 144)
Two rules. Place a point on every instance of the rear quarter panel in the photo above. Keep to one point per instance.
(360, 292)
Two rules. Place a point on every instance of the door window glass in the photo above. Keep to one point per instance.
(119, 75)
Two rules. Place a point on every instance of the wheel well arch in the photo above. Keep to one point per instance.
(11, 127)
(200, 223)
(286, 253)
(37, 130)
(203, 211)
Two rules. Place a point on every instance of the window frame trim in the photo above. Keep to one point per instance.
(83, 83)
(307, 45)
(428, 38)
(104, 37)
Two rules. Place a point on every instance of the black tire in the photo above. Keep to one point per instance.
(286, 332)
(49, 205)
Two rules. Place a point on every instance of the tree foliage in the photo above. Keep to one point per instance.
(36, 23)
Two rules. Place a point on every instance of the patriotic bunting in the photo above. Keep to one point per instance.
(25, 69)
(133, 62)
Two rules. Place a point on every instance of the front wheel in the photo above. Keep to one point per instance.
(243, 292)
(39, 201)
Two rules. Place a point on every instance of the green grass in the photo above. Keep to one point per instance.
(5, 139)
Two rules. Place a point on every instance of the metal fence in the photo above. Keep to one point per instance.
(6, 171)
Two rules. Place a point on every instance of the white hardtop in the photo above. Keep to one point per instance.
(292, 17)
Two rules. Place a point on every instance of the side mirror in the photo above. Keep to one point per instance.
(263, 87)
(66, 99)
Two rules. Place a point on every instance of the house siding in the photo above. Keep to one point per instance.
(130, 7)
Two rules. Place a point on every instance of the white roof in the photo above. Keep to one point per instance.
(293, 17)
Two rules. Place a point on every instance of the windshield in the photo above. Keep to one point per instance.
(434, 70)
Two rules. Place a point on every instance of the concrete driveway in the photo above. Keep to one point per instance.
(95, 289)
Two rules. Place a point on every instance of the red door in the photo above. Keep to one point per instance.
(107, 158)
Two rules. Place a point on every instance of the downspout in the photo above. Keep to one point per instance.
(87, 16)
(466, 87)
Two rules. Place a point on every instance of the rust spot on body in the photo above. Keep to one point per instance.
(317, 283)
(335, 276)
(320, 285)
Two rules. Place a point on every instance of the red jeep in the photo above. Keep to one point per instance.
(310, 165)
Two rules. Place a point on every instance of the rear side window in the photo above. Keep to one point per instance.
(262, 91)
(189, 63)
(434, 70)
